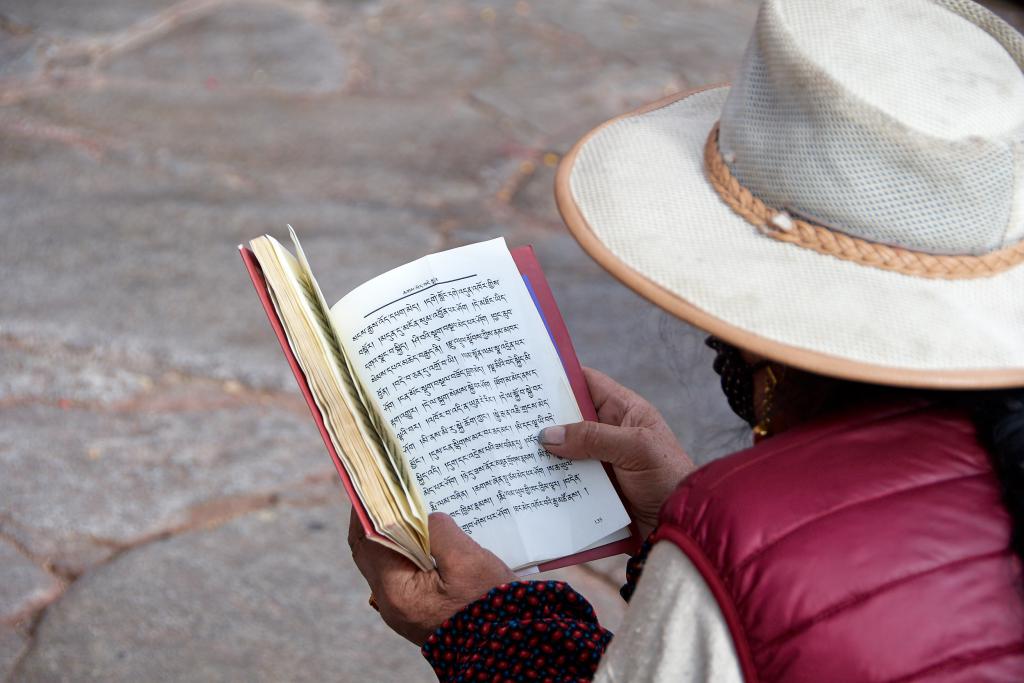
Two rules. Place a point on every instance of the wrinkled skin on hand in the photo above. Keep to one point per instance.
(414, 602)
(631, 436)
(634, 439)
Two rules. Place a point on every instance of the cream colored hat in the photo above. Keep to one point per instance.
(853, 205)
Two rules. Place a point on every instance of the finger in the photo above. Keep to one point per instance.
(355, 530)
(601, 386)
(452, 547)
(380, 566)
(383, 569)
(610, 398)
(595, 441)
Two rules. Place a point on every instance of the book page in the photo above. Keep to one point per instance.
(382, 487)
(378, 439)
(461, 365)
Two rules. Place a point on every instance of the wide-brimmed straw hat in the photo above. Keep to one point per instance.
(852, 205)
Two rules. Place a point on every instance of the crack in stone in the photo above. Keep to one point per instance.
(99, 147)
(218, 393)
(34, 606)
(204, 516)
(152, 403)
(62, 134)
(581, 40)
(30, 645)
(9, 26)
(77, 62)
(20, 548)
(516, 125)
(522, 174)
(99, 50)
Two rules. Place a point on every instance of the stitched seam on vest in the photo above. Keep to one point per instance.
(745, 562)
(687, 510)
(896, 412)
(964, 660)
(853, 600)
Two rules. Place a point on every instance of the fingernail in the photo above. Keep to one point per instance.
(552, 436)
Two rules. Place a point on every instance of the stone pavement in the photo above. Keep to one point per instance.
(167, 511)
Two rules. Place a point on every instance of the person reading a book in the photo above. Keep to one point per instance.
(845, 220)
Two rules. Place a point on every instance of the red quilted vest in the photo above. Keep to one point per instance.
(870, 546)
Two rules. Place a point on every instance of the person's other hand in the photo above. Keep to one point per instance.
(414, 602)
(633, 438)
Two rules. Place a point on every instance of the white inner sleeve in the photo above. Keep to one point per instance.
(673, 629)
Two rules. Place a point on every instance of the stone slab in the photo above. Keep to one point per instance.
(409, 48)
(252, 45)
(81, 482)
(19, 56)
(699, 42)
(272, 596)
(46, 371)
(421, 152)
(25, 587)
(12, 646)
(533, 75)
(156, 274)
(80, 17)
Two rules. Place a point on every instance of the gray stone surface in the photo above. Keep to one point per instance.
(26, 586)
(80, 17)
(44, 371)
(88, 478)
(167, 511)
(12, 646)
(248, 44)
(700, 41)
(264, 598)
(115, 226)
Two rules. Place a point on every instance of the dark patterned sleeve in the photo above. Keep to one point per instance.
(634, 568)
(522, 631)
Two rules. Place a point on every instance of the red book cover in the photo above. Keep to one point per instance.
(537, 284)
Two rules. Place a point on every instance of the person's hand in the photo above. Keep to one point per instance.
(633, 438)
(414, 602)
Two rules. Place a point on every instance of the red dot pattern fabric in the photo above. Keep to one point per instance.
(523, 631)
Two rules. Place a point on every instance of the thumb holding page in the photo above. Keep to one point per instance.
(648, 462)
(633, 438)
(619, 446)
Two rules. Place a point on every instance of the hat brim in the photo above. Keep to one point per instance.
(634, 194)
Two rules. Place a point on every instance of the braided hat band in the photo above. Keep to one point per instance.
(880, 184)
(784, 227)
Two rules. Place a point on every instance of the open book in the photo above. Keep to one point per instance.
(430, 384)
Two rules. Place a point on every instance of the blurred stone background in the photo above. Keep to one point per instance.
(167, 510)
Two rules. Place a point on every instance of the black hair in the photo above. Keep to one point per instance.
(999, 419)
